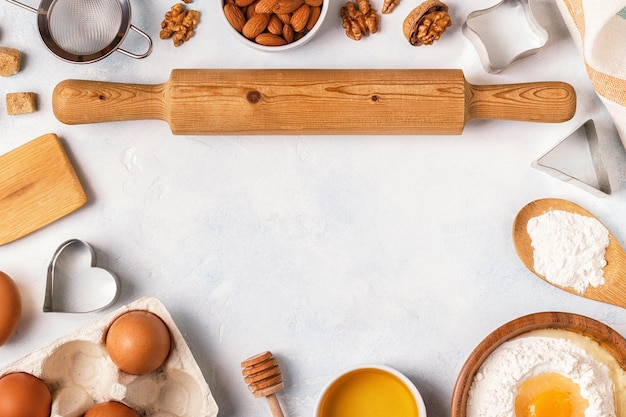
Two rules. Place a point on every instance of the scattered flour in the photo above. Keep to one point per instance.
(496, 383)
(569, 249)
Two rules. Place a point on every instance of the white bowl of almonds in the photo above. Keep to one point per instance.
(274, 25)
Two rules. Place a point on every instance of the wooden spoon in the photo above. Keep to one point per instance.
(262, 374)
(613, 291)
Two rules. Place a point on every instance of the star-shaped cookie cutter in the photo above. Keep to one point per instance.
(504, 33)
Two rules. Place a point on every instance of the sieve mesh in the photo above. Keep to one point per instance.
(84, 27)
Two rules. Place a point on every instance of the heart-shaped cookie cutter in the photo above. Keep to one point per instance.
(66, 296)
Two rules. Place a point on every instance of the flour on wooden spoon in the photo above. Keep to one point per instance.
(569, 249)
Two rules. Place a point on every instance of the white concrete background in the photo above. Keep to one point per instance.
(330, 251)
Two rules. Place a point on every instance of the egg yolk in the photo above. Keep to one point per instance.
(550, 395)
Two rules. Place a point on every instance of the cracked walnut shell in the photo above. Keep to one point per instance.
(426, 23)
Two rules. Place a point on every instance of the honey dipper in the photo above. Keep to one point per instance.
(262, 374)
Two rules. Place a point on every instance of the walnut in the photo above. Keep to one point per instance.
(426, 23)
(389, 5)
(351, 23)
(179, 24)
(359, 19)
(372, 21)
(364, 6)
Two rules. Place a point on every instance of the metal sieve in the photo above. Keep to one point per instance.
(84, 31)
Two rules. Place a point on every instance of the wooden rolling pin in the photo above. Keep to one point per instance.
(297, 101)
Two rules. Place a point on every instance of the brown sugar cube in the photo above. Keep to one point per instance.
(20, 103)
(10, 60)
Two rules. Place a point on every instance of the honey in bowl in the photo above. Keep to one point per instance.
(371, 392)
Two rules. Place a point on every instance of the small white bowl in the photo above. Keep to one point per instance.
(296, 44)
(356, 378)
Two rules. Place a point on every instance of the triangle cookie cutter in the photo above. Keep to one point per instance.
(592, 177)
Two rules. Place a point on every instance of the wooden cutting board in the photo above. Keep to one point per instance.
(312, 101)
(38, 185)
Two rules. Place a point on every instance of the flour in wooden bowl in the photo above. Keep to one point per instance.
(497, 386)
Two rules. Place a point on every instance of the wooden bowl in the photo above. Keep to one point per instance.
(608, 338)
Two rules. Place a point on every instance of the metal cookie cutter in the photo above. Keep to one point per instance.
(504, 33)
(565, 161)
(74, 284)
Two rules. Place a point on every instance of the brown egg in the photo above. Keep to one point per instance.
(138, 342)
(10, 307)
(110, 409)
(24, 395)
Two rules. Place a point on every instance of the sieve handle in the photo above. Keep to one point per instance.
(23, 6)
(130, 54)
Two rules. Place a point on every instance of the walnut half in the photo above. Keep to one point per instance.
(426, 23)
(179, 24)
(359, 19)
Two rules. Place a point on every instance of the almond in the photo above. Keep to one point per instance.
(251, 10)
(235, 16)
(284, 17)
(269, 39)
(288, 33)
(313, 17)
(265, 6)
(255, 25)
(300, 18)
(287, 6)
(243, 3)
(275, 25)
(313, 3)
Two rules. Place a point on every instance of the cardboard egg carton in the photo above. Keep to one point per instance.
(80, 373)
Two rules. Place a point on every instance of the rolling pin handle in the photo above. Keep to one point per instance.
(550, 102)
(82, 101)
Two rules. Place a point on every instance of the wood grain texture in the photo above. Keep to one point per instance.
(312, 101)
(606, 337)
(38, 185)
(264, 379)
(613, 291)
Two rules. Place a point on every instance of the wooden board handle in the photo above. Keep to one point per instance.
(368, 102)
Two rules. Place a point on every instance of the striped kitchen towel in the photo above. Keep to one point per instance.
(599, 30)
